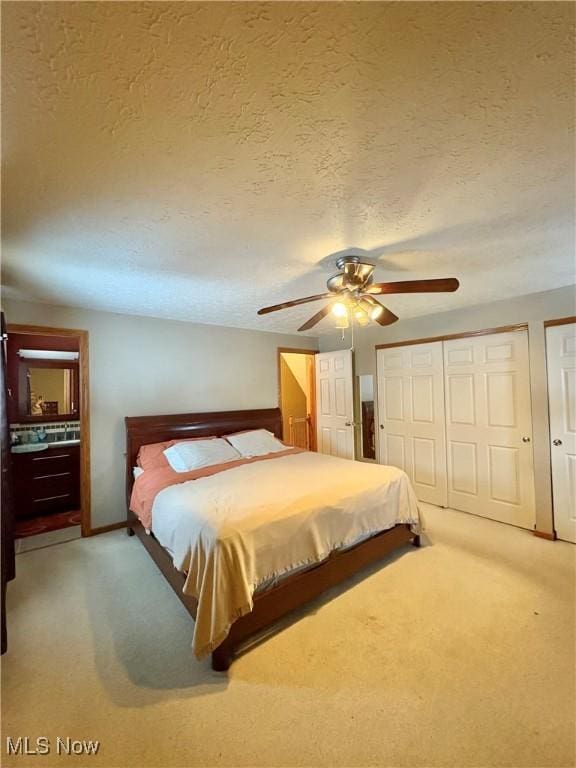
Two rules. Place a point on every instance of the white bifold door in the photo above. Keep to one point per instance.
(411, 416)
(489, 427)
(561, 357)
(335, 404)
(456, 416)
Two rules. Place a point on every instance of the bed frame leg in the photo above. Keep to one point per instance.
(222, 657)
(416, 540)
(129, 530)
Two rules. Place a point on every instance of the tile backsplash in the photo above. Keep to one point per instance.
(65, 430)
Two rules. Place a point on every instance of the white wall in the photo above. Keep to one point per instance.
(533, 309)
(143, 366)
(366, 384)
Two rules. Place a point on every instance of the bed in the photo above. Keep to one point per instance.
(291, 588)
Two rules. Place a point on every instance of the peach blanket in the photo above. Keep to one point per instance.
(152, 481)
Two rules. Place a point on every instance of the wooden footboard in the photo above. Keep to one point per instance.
(291, 593)
(296, 591)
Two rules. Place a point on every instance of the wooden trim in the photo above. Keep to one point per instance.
(84, 368)
(295, 351)
(450, 336)
(560, 321)
(107, 528)
(544, 535)
(85, 477)
(313, 409)
(43, 330)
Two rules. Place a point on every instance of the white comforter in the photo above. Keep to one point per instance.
(241, 527)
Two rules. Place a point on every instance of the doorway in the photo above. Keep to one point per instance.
(48, 411)
(297, 396)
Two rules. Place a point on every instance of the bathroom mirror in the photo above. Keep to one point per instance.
(366, 402)
(47, 390)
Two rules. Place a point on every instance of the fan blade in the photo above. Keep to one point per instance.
(379, 313)
(294, 303)
(316, 318)
(414, 286)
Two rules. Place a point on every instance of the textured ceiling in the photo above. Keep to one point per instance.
(199, 160)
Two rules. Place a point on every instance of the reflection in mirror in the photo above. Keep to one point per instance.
(49, 391)
(366, 391)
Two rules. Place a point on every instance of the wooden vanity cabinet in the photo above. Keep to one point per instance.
(46, 481)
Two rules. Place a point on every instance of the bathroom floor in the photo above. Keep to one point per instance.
(45, 523)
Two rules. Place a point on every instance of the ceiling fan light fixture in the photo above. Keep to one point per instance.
(361, 316)
(354, 287)
(370, 308)
(364, 305)
(339, 309)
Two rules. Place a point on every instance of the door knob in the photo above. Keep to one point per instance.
(381, 426)
(556, 442)
(525, 439)
(349, 424)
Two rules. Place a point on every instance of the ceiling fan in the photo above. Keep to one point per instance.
(352, 292)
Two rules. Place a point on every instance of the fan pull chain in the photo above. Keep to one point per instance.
(351, 334)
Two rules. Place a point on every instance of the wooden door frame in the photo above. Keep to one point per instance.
(450, 336)
(297, 351)
(82, 336)
(560, 321)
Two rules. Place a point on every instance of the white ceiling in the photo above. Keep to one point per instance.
(198, 161)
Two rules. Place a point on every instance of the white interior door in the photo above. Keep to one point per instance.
(489, 427)
(411, 416)
(561, 355)
(334, 403)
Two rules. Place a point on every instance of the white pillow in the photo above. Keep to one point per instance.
(258, 442)
(194, 454)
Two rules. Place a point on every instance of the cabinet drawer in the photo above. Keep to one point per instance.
(52, 485)
(57, 503)
(51, 462)
(47, 481)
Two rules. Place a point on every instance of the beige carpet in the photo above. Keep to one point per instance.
(458, 654)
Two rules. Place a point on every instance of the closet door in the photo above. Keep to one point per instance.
(411, 416)
(561, 354)
(489, 427)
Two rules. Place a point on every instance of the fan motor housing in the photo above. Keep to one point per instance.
(355, 274)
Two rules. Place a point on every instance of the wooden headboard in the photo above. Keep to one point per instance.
(142, 430)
